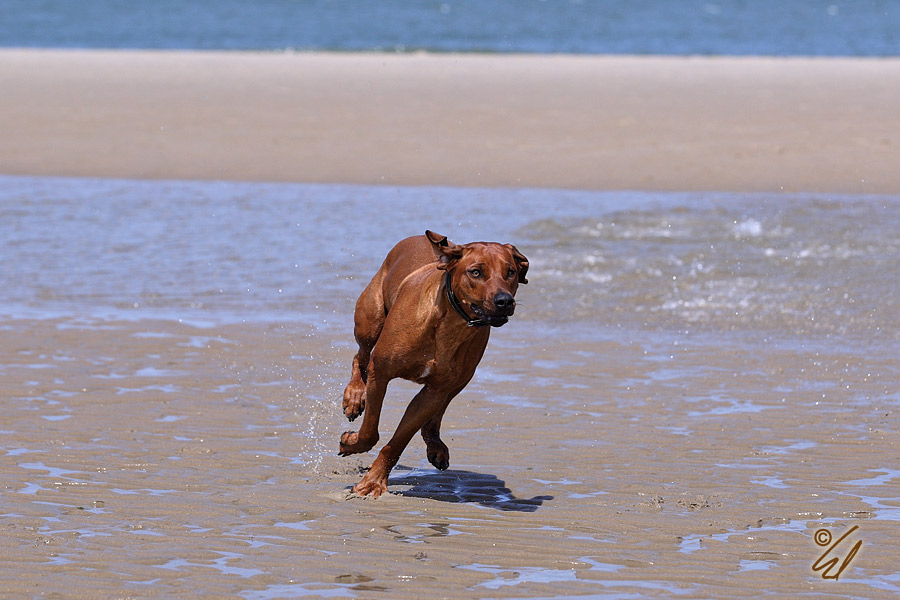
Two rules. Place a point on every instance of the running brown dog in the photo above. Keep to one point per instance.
(426, 317)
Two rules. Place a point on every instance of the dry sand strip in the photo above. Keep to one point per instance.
(590, 122)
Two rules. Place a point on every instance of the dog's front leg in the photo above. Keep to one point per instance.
(437, 451)
(423, 407)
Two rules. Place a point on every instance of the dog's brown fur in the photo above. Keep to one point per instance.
(406, 327)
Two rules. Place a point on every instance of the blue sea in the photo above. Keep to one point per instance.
(671, 27)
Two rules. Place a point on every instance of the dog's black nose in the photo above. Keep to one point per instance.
(504, 302)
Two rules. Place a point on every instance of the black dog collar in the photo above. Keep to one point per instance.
(451, 298)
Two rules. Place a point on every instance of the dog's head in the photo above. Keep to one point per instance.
(484, 276)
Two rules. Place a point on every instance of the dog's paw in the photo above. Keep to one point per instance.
(438, 454)
(352, 444)
(354, 401)
(349, 441)
(374, 487)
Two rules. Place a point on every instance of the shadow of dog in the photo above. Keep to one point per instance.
(464, 486)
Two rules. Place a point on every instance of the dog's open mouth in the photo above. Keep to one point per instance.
(492, 320)
(496, 321)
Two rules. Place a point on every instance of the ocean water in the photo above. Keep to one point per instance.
(813, 268)
(680, 27)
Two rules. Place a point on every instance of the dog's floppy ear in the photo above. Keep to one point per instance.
(445, 251)
(521, 263)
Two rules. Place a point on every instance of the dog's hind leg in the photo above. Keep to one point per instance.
(354, 402)
(353, 442)
(368, 323)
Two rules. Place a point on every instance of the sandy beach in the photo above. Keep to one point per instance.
(581, 122)
(697, 389)
(186, 462)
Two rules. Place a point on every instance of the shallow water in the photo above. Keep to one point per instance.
(692, 387)
(213, 252)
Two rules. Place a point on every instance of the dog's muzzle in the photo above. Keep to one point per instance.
(504, 307)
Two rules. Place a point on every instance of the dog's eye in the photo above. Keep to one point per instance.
(510, 273)
(476, 272)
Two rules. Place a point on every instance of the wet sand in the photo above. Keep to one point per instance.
(641, 123)
(147, 459)
(643, 457)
